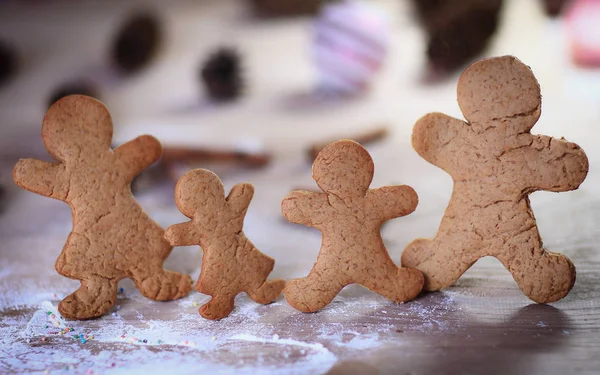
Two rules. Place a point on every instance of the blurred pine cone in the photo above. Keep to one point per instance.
(136, 42)
(286, 8)
(458, 30)
(8, 62)
(221, 74)
(554, 7)
(73, 88)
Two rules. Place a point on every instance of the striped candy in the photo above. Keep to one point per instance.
(350, 42)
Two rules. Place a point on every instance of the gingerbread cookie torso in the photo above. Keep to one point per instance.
(112, 237)
(349, 216)
(231, 264)
(495, 163)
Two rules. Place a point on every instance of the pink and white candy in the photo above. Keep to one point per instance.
(350, 43)
(583, 25)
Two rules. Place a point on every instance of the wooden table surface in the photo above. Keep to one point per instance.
(483, 324)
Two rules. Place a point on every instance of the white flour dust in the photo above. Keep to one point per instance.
(141, 336)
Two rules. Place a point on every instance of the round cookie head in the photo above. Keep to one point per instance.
(344, 168)
(498, 88)
(76, 126)
(199, 189)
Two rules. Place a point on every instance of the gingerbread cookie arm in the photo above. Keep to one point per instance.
(556, 165)
(138, 154)
(432, 139)
(240, 196)
(182, 234)
(389, 202)
(41, 177)
(306, 208)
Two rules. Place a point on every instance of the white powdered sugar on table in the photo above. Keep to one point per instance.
(274, 339)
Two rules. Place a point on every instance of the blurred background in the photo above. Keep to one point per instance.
(243, 84)
(252, 89)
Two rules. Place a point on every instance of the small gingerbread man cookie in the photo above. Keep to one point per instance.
(112, 237)
(496, 163)
(349, 216)
(231, 263)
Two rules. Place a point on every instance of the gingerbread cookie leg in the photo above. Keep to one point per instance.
(95, 297)
(441, 267)
(315, 291)
(161, 285)
(398, 285)
(218, 307)
(543, 276)
(259, 288)
(267, 292)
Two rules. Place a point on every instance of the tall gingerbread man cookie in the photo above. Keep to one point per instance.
(495, 164)
(349, 216)
(231, 263)
(112, 238)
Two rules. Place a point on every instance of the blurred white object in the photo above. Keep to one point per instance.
(350, 43)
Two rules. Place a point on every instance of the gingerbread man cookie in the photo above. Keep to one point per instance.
(112, 238)
(495, 164)
(231, 263)
(349, 216)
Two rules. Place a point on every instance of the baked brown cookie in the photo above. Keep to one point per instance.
(231, 263)
(495, 164)
(349, 216)
(112, 238)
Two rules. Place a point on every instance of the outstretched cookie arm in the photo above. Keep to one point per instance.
(389, 202)
(433, 138)
(306, 208)
(139, 154)
(42, 177)
(182, 234)
(552, 164)
(240, 196)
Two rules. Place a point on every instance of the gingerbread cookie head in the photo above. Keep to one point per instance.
(200, 195)
(197, 191)
(67, 137)
(344, 168)
(499, 88)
